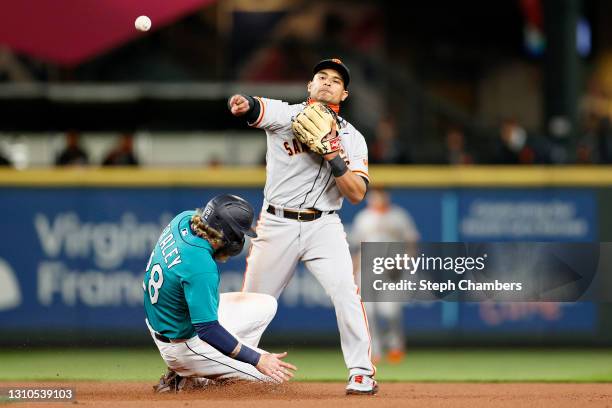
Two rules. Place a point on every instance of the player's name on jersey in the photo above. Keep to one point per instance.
(168, 247)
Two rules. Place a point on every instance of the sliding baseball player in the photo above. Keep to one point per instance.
(200, 334)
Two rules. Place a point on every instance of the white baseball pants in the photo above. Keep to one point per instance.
(321, 244)
(246, 316)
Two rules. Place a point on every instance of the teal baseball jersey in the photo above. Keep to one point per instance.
(181, 282)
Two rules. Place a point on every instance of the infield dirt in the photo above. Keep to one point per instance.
(322, 395)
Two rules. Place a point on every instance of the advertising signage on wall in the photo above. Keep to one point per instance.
(74, 257)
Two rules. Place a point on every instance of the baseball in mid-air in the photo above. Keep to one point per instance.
(143, 23)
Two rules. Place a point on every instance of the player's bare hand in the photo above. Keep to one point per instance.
(273, 366)
(239, 105)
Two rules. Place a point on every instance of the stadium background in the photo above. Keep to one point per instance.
(464, 109)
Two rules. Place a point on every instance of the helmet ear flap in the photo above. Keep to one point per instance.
(234, 247)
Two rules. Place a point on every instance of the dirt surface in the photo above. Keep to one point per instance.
(320, 395)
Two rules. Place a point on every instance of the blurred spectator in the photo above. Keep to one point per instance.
(604, 140)
(455, 147)
(284, 61)
(215, 162)
(387, 148)
(4, 161)
(73, 154)
(584, 152)
(302, 33)
(515, 146)
(381, 221)
(596, 113)
(123, 153)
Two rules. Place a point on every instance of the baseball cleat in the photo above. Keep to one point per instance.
(172, 382)
(361, 385)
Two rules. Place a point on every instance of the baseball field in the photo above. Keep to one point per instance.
(427, 377)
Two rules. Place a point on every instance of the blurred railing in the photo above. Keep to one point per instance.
(388, 176)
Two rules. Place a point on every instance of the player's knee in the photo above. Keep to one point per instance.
(268, 304)
(265, 304)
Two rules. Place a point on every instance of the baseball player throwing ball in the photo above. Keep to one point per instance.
(202, 335)
(314, 160)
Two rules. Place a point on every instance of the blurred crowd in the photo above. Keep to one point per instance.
(121, 154)
(511, 144)
(74, 154)
(397, 63)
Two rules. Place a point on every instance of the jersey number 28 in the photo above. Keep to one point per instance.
(155, 284)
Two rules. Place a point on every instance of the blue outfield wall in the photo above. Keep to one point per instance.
(72, 258)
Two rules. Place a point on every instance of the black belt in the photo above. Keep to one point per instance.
(165, 339)
(301, 215)
(162, 338)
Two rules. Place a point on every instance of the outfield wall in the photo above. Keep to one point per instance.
(76, 242)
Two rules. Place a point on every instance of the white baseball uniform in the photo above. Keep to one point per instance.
(246, 316)
(297, 178)
(392, 225)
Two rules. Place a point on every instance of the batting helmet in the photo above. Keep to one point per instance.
(232, 216)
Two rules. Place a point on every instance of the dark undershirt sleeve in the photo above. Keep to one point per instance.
(218, 337)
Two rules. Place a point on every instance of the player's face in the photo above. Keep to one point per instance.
(327, 86)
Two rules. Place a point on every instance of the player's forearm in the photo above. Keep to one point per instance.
(218, 337)
(352, 186)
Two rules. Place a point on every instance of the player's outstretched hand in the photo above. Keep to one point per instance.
(238, 105)
(273, 366)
